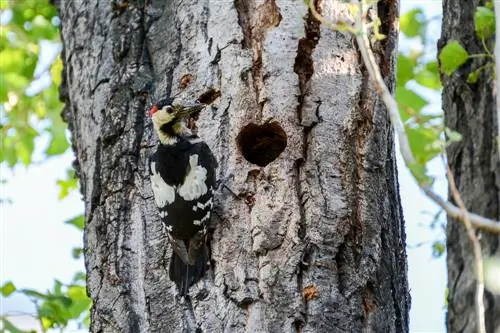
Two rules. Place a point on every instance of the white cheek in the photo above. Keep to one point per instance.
(194, 185)
(164, 194)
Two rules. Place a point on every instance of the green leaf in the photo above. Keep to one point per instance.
(410, 103)
(420, 173)
(81, 302)
(78, 222)
(9, 327)
(484, 22)
(438, 249)
(76, 252)
(33, 293)
(406, 65)
(452, 56)
(473, 76)
(412, 23)
(58, 143)
(56, 71)
(425, 143)
(58, 287)
(429, 78)
(7, 289)
(451, 135)
(68, 184)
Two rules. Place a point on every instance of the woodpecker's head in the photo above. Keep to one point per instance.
(169, 119)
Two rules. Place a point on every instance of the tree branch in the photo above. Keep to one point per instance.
(478, 255)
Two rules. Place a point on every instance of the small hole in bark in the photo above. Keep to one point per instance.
(185, 80)
(209, 96)
(262, 144)
(298, 325)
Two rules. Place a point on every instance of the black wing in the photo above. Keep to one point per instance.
(184, 193)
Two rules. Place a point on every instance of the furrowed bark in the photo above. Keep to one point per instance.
(470, 110)
(315, 240)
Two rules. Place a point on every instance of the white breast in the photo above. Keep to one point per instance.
(194, 184)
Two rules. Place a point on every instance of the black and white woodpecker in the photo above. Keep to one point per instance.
(183, 180)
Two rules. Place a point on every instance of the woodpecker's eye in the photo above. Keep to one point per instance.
(169, 109)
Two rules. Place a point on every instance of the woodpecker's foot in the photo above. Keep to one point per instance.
(223, 184)
(202, 294)
(183, 299)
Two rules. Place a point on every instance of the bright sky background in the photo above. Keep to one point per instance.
(35, 245)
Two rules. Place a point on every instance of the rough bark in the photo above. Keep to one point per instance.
(470, 110)
(315, 242)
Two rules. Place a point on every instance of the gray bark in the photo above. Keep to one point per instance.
(314, 243)
(470, 110)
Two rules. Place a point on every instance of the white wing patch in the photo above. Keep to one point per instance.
(202, 206)
(194, 185)
(205, 218)
(164, 194)
(207, 204)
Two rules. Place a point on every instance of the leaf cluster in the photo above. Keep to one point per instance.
(453, 55)
(29, 99)
(56, 307)
(415, 73)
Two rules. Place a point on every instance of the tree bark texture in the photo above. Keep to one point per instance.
(470, 110)
(314, 241)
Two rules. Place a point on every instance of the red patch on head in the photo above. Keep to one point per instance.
(153, 110)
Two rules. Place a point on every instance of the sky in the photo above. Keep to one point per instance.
(35, 244)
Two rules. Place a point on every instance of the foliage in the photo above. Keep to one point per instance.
(453, 55)
(415, 73)
(30, 75)
(29, 98)
(425, 131)
(56, 307)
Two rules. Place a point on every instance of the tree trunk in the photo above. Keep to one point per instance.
(314, 241)
(470, 110)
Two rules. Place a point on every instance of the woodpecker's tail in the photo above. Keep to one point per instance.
(185, 275)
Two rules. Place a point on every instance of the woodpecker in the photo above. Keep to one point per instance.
(182, 174)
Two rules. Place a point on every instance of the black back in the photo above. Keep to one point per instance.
(172, 163)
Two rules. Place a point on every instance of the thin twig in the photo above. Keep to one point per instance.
(453, 211)
(478, 255)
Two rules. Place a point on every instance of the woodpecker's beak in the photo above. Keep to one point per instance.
(190, 109)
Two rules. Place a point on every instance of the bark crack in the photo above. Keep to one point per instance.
(304, 68)
(254, 22)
